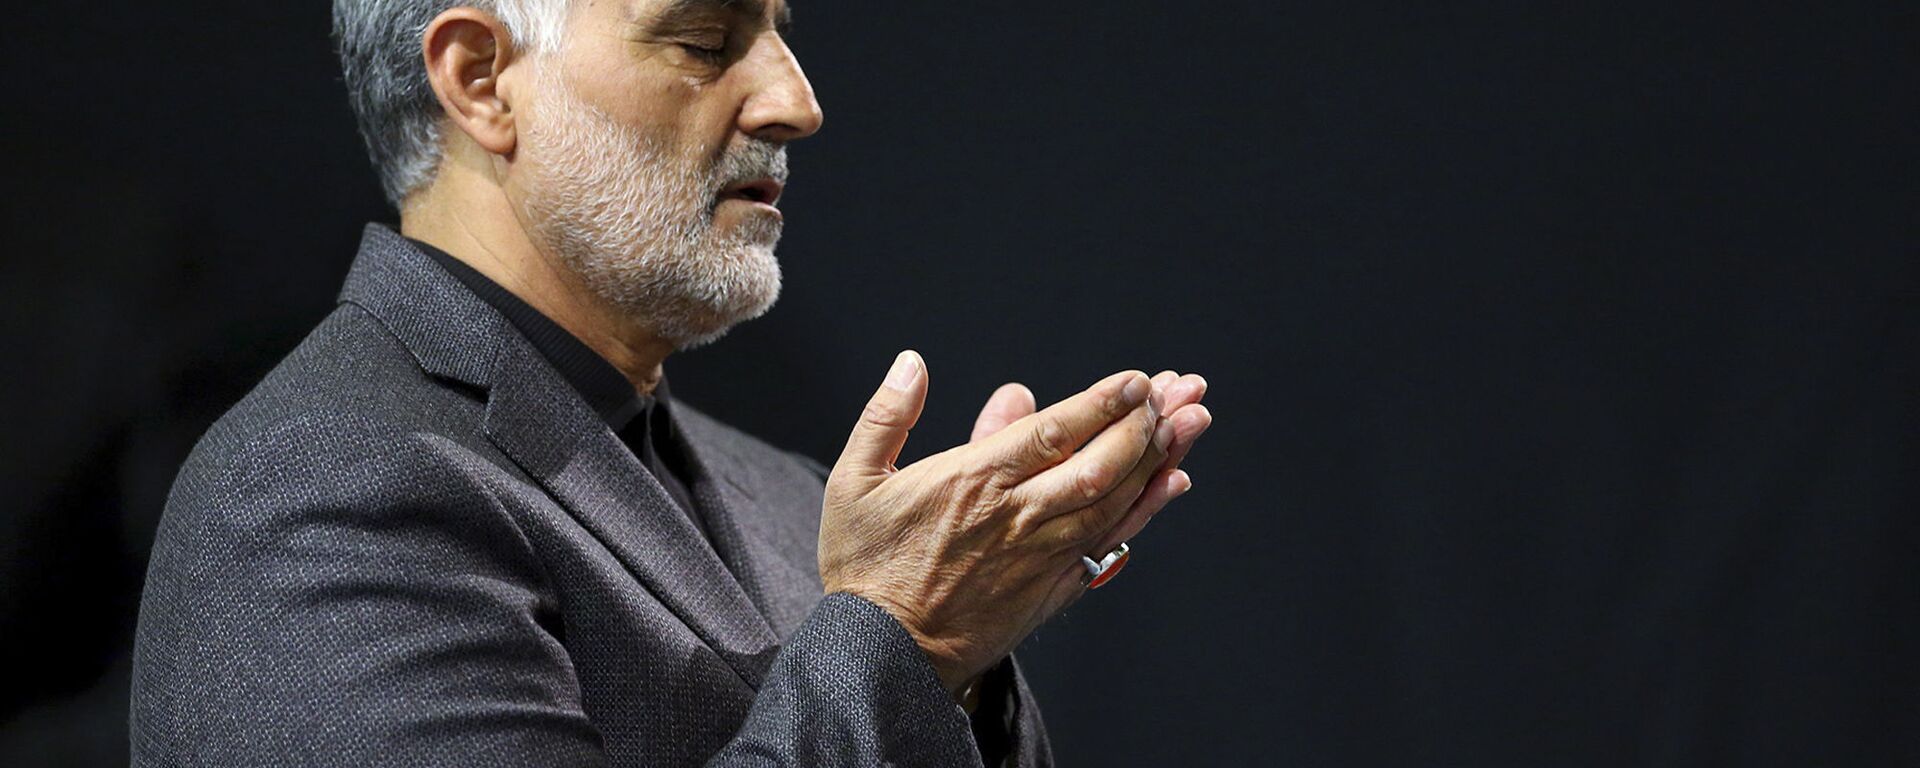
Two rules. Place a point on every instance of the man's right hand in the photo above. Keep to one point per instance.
(973, 548)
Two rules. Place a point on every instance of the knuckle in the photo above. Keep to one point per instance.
(987, 497)
(1033, 524)
(1049, 440)
(1088, 484)
(1004, 477)
(882, 413)
(1022, 527)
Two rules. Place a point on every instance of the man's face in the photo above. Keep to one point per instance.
(653, 152)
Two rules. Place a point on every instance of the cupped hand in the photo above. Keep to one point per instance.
(974, 547)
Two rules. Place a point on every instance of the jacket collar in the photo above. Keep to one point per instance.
(541, 423)
(450, 332)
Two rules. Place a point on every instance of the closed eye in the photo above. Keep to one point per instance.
(705, 53)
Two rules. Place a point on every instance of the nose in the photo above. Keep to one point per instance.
(781, 106)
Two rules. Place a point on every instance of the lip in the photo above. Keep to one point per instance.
(765, 191)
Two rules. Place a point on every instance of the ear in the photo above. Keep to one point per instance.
(467, 54)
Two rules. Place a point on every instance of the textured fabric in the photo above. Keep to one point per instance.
(644, 423)
(413, 544)
(597, 381)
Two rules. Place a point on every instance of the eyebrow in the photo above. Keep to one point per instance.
(676, 10)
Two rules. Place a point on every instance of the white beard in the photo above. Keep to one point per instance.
(636, 222)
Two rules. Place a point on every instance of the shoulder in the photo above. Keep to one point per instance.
(349, 387)
(352, 365)
(332, 527)
(348, 421)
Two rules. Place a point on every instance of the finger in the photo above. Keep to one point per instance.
(1166, 486)
(1077, 529)
(890, 414)
(1189, 424)
(1103, 513)
(1182, 391)
(1161, 380)
(1108, 512)
(1122, 496)
(1009, 403)
(1123, 455)
(1047, 438)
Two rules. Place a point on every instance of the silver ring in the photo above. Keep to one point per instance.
(1102, 571)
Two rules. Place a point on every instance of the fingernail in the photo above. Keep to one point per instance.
(905, 367)
(1157, 399)
(1163, 435)
(1182, 483)
(1136, 391)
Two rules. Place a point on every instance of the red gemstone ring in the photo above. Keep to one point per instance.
(1103, 571)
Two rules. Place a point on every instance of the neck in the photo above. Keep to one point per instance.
(487, 233)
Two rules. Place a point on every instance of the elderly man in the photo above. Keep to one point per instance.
(464, 522)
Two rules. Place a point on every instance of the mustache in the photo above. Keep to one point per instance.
(753, 160)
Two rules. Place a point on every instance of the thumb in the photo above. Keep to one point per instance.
(882, 431)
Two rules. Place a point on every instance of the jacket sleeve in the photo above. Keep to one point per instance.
(328, 591)
(852, 688)
(1007, 729)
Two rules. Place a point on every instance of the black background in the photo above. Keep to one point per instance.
(1564, 356)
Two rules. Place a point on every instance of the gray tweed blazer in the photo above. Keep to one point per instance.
(414, 545)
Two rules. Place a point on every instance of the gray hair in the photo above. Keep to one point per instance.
(385, 71)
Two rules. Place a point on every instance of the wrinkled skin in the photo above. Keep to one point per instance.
(975, 547)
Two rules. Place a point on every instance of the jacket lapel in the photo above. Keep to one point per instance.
(770, 544)
(554, 436)
(534, 417)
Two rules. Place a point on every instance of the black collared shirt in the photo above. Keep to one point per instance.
(644, 423)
